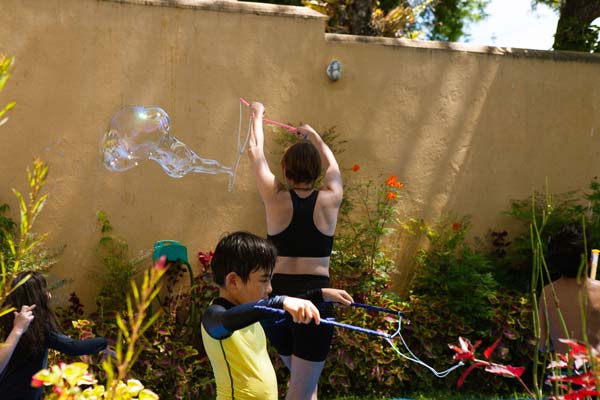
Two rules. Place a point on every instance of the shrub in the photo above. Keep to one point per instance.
(362, 364)
(66, 381)
(116, 269)
(454, 293)
(22, 250)
(550, 212)
(359, 363)
(174, 362)
(171, 360)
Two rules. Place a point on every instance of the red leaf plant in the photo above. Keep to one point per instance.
(466, 351)
(205, 259)
(573, 374)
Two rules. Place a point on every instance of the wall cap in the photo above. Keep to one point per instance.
(465, 47)
(232, 6)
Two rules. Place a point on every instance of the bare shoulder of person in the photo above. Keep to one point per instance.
(329, 198)
(279, 197)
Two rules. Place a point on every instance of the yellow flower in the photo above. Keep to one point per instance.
(94, 393)
(134, 387)
(147, 395)
(77, 374)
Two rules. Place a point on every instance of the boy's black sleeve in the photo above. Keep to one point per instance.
(75, 347)
(220, 322)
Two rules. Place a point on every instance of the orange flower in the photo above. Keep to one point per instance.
(355, 167)
(391, 195)
(391, 181)
(399, 185)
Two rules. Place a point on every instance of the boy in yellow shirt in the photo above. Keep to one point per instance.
(234, 340)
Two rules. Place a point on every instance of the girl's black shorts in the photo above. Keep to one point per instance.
(307, 341)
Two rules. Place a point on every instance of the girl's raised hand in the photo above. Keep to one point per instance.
(305, 130)
(257, 109)
(337, 295)
(23, 318)
(108, 353)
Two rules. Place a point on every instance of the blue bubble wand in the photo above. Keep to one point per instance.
(409, 355)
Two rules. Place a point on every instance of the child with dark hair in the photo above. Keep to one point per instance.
(234, 340)
(576, 294)
(31, 353)
(565, 252)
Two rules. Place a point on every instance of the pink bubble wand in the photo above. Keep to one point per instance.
(242, 146)
(276, 123)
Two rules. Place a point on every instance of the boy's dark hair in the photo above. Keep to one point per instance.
(302, 162)
(565, 250)
(242, 253)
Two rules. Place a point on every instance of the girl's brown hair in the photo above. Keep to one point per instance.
(33, 291)
(301, 162)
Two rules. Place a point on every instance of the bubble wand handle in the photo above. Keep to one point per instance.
(375, 308)
(271, 122)
(332, 323)
(595, 253)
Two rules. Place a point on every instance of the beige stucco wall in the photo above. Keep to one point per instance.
(466, 128)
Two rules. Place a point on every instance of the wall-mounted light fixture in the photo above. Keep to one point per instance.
(334, 70)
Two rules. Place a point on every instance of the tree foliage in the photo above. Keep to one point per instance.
(432, 19)
(575, 30)
(446, 19)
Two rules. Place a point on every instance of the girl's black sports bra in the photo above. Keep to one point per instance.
(302, 238)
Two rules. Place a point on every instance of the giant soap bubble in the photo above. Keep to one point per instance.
(140, 133)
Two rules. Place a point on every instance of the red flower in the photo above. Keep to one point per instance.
(505, 370)
(488, 352)
(391, 181)
(205, 258)
(466, 349)
(576, 347)
(161, 263)
(36, 383)
(355, 167)
(586, 378)
(456, 226)
(391, 195)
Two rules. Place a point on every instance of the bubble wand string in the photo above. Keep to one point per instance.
(240, 149)
(388, 337)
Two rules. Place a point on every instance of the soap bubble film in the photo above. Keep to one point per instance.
(142, 133)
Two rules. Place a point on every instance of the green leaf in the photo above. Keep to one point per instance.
(122, 326)
(150, 321)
